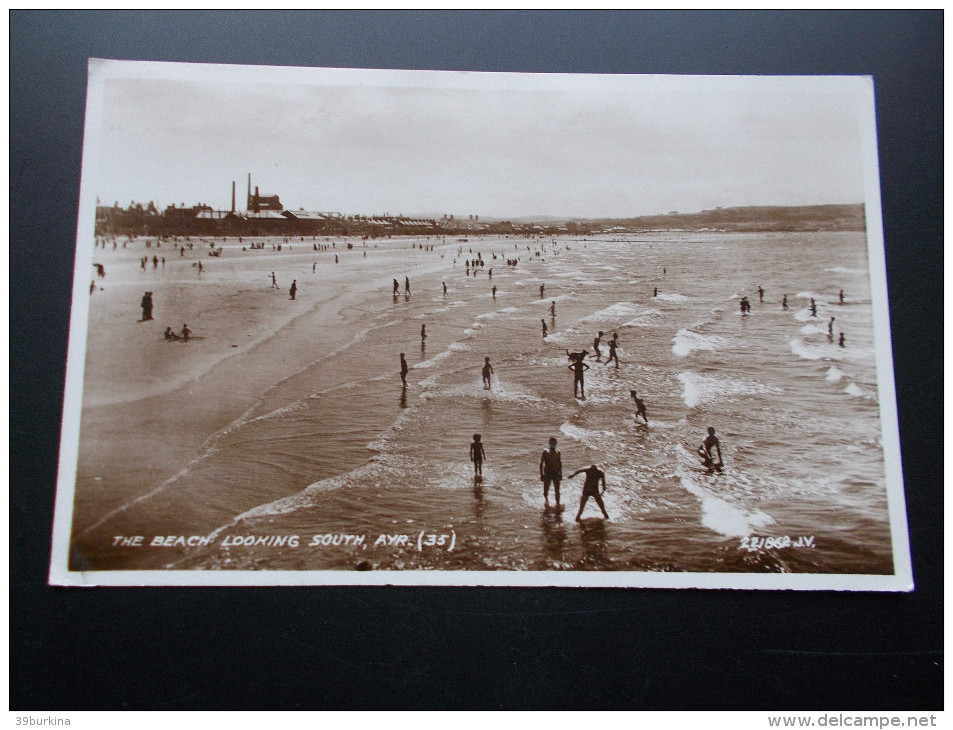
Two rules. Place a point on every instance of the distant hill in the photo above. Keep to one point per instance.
(752, 218)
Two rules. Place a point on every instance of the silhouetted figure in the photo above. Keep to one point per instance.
(840, 340)
(784, 302)
(579, 368)
(639, 406)
(146, 305)
(477, 454)
(552, 309)
(494, 292)
(186, 332)
(92, 286)
(274, 281)
(830, 328)
(487, 372)
(760, 294)
(613, 344)
(445, 288)
(407, 285)
(705, 452)
(542, 290)
(423, 332)
(590, 488)
(595, 346)
(551, 471)
(169, 334)
(545, 328)
(403, 370)
(294, 288)
(396, 287)
(813, 308)
(841, 296)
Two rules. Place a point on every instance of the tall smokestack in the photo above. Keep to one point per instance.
(248, 200)
(233, 196)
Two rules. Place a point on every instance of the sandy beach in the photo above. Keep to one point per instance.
(150, 404)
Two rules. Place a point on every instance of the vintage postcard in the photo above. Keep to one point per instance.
(370, 327)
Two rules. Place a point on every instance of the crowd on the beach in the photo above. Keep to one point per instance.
(550, 462)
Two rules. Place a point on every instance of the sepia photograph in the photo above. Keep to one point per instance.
(375, 327)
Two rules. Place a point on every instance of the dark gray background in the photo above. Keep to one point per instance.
(320, 648)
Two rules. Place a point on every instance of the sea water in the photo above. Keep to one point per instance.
(341, 450)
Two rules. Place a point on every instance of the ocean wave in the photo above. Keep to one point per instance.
(685, 341)
(834, 374)
(698, 389)
(814, 352)
(672, 297)
(845, 270)
(722, 516)
(619, 310)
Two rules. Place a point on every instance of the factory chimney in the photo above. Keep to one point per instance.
(233, 196)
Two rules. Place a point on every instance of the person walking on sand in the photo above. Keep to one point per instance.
(274, 281)
(590, 488)
(477, 454)
(639, 406)
(407, 286)
(396, 287)
(551, 471)
(705, 452)
(403, 370)
(294, 288)
(146, 305)
(613, 344)
(595, 346)
(579, 368)
(760, 294)
(487, 372)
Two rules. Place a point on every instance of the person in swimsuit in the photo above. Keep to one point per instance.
(705, 452)
(551, 471)
(639, 406)
(477, 454)
(613, 343)
(579, 368)
(590, 488)
(403, 370)
(487, 372)
(595, 346)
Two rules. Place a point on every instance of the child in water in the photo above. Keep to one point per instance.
(477, 455)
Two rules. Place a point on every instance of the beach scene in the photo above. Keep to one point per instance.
(264, 389)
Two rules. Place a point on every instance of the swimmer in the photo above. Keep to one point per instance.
(639, 406)
(704, 452)
(487, 372)
(590, 488)
(477, 454)
(551, 471)
(578, 382)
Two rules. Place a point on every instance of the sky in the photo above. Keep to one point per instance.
(493, 145)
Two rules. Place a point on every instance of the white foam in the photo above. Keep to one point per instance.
(845, 270)
(834, 374)
(672, 297)
(685, 341)
(811, 329)
(854, 389)
(814, 352)
(724, 517)
(617, 311)
(698, 389)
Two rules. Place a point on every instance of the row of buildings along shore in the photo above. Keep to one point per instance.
(264, 215)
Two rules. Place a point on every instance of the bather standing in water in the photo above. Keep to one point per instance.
(590, 488)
